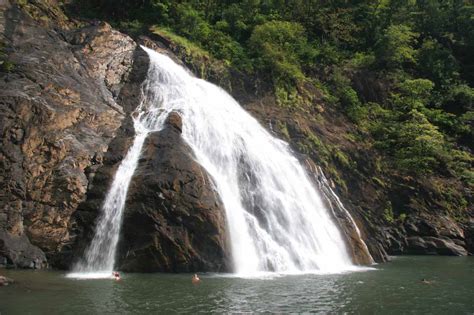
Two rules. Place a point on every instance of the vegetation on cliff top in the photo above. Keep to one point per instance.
(415, 54)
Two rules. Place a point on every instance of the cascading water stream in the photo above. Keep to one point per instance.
(276, 218)
(99, 257)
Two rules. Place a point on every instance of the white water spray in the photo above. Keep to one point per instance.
(276, 218)
(99, 259)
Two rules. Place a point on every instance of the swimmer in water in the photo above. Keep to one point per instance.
(116, 275)
(195, 279)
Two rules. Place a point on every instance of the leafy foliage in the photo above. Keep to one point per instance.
(278, 47)
(419, 52)
(395, 48)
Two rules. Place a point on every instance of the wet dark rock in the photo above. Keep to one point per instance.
(439, 235)
(18, 252)
(395, 240)
(174, 120)
(434, 246)
(469, 234)
(174, 219)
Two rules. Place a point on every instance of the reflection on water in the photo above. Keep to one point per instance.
(392, 288)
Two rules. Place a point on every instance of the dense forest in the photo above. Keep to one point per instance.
(420, 50)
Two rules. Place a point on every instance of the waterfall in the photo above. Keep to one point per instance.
(100, 255)
(276, 218)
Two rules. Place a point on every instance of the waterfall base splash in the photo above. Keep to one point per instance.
(276, 218)
(90, 275)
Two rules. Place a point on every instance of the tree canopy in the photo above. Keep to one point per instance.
(420, 49)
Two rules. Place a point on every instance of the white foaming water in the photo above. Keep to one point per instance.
(90, 275)
(100, 255)
(99, 258)
(276, 219)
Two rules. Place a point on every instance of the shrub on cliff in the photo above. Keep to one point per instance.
(278, 47)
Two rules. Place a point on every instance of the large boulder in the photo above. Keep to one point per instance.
(174, 219)
(18, 252)
(430, 245)
(435, 236)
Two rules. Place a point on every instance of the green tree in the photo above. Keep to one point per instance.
(420, 147)
(412, 94)
(437, 63)
(278, 46)
(396, 47)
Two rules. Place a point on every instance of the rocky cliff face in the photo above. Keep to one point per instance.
(58, 114)
(66, 126)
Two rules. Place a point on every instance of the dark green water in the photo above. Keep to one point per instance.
(392, 288)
